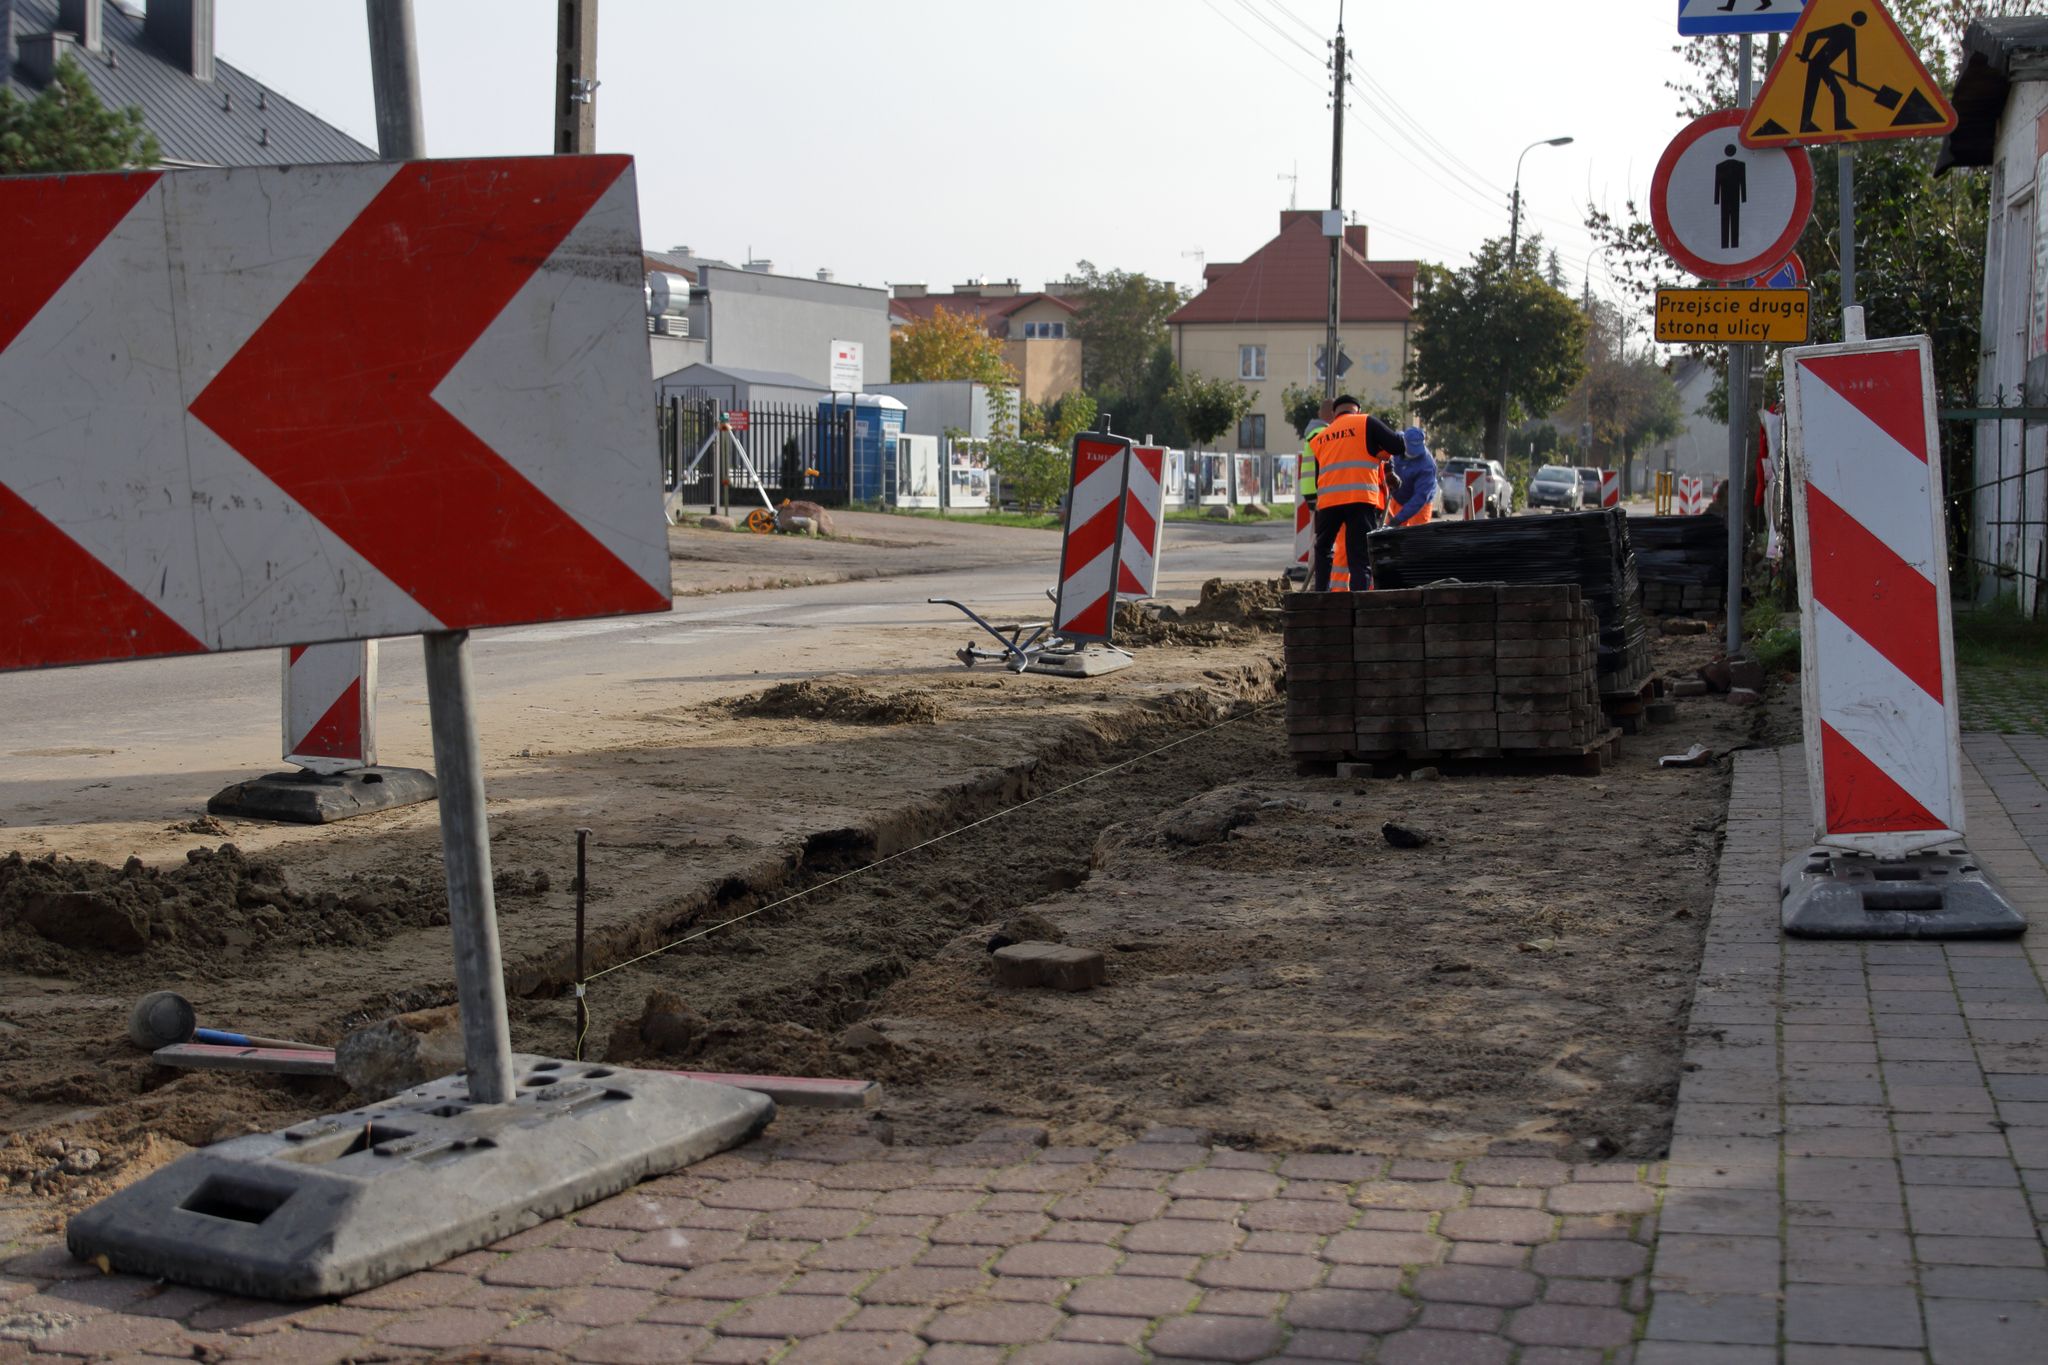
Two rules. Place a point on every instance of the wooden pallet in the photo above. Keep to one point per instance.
(1578, 759)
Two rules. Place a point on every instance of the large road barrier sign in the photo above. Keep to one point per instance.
(1144, 523)
(1090, 554)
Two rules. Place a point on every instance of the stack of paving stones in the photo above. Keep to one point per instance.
(1681, 562)
(1467, 671)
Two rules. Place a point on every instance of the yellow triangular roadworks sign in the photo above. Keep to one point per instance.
(1846, 75)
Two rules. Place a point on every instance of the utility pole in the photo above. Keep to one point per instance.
(576, 77)
(1333, 222)
(395, 81)
(1740, 423)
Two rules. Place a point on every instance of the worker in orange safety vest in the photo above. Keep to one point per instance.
(1350, 487)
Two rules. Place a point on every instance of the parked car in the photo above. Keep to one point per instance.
(1556, 485)
(1589, 483)
(1496, 494)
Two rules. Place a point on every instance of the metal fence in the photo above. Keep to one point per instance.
(796, 452)
(1995, 459)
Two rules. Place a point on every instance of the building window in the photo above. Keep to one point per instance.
(1251, 362)
(1251, 431)
(1045, 331)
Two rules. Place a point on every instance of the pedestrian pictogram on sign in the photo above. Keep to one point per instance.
(1847, 75)
(1696, 17)
(1725, 211)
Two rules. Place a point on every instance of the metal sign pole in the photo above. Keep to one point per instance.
(1738, 424)
(466, 854)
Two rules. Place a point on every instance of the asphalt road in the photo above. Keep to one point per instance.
(151, 740)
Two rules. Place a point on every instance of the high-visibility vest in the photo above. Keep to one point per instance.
(1305, 483)
(1347, 468)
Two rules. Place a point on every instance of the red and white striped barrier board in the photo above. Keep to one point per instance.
(1304, 536)
(1144, 523)
(265, 407)
(329, 706)
(1474, 481)
(1090, 554)
(1691, 495)
(1883, 752)
(1610, 488)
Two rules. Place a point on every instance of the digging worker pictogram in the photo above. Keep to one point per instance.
(1823, 48)
(1347, 471)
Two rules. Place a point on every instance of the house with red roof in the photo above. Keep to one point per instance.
(1035, 328)
(1263, 322)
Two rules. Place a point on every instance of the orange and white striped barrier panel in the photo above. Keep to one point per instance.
(1883, 751)
(330, 706)
(1610, 488)
(1144, 523)
(1473, 479)
(1090, 556)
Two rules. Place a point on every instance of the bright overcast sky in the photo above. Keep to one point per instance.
(937, 140)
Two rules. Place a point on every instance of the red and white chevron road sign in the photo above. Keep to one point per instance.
(1304, 535)
(1473, 485)
(268, 407)
(1878, 669)
(1144, 523)
(1085, 606)
(1610, 488)
(1692, 495)
(329, 706)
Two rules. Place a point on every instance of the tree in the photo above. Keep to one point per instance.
(948, 345)
(1208, 407)
(1625, 397)
(1301, 406)
(1033, 454)
(1121, 324)
(1485, 331)
(1148, 408)
(66, 128)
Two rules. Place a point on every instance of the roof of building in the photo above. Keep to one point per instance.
(1288, 280)
(232, 120)
(780, 379)
(992, 311)
(1992, 50)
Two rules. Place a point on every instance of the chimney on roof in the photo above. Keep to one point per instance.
(83, 19)
(182, 33)
(1000, 289)
(824, 275)
(908, 291)
(1354, 237)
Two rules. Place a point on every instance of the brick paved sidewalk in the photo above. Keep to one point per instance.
(1861, 1132)
(1860, 1154)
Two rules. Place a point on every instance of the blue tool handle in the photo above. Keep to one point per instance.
(220, 1038)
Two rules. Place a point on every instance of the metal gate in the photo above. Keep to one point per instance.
(793, 451)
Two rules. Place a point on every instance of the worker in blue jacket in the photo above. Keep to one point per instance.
(1414, 482)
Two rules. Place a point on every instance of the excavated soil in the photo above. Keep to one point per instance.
(1276, 972)
(1228, 612)
(844, 703)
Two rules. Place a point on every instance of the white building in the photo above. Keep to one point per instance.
(2001, 99)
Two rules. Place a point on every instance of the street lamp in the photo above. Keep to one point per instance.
(1514, 241)
(1515, 214)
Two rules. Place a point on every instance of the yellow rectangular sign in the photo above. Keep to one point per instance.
(1712, 315)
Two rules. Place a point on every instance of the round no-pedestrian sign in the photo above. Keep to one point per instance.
(1725, 211)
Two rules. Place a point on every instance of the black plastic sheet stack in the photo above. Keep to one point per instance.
(1682, 561)
(1590, 549)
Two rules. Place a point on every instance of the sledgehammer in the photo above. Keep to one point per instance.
(165, 1018)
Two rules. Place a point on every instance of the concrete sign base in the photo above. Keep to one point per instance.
(1080, 661)
(1939, 895)
(344, 1203)
(308, 798)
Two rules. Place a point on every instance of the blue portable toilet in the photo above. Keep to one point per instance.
(877, 422)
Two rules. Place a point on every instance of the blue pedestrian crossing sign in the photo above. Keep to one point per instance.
(1696, 17)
